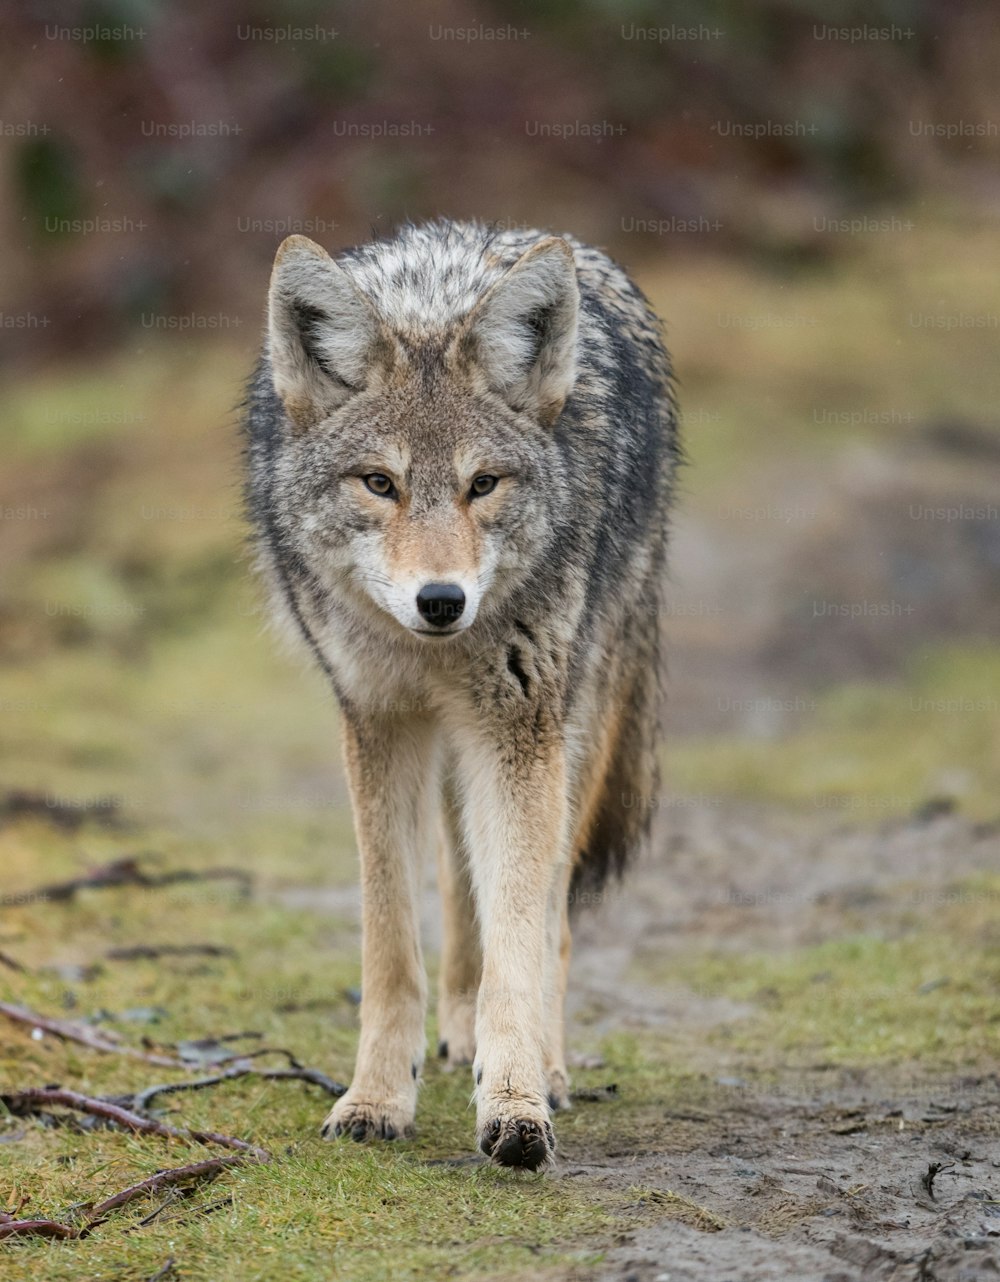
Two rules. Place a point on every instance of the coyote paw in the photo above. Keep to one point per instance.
(524, 1141)
(365, 1120)
(558, 1081)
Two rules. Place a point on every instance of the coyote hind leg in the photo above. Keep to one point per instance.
(461, 951)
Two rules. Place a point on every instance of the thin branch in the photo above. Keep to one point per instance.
(148, 952)
(154, 1214)
(85, 1036)
(162, 1179)
(18, 802)
(127, 872)
(142, 1099)
(163, 1272)
(37, 1228)
(35, 1098)
(934, 1169)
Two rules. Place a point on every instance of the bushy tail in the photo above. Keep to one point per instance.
(629, 793)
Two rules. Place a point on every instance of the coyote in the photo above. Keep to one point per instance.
(461, 444)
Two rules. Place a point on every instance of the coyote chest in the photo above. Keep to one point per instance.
(461, 446)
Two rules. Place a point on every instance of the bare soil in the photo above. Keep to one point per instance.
(822, 1177)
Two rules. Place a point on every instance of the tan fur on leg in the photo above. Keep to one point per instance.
(558, 945)
(390, 769)
(517, 835)
(461, 953)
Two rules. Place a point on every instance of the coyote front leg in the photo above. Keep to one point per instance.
(517, 829)
(390, 769)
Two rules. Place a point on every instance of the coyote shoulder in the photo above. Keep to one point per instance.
(461, 443)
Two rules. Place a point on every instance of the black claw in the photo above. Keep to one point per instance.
(361, 1129)
(524, 1144)
(490, 1137)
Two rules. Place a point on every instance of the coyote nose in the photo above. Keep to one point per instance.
(440, 603)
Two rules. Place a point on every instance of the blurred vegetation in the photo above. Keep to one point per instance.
(154, 153)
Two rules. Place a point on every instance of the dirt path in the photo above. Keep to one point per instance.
(820, 1177)
(826, 1189)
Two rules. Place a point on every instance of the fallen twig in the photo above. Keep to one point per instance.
(934, 1169)
(206, 1208)
(11, 1226)
(35, 1098)
(162, 1179)
(154, 1214)
(84, 1035)
(149, 952)
(64, 814)
(36, 1228)
(127, 872)
(180, 1217)
(11, 962)
(163, 1272)
(142, 1099)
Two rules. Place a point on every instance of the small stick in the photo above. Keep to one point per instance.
(163, 1272)
(34, 1098)
(155, 1214)
(127, 872)
(142, 1099)
(147, 952)
(175, 1175)
(934, 1169)
(70, 1032)
(37, 1228)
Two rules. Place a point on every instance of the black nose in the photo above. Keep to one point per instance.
(440, 603)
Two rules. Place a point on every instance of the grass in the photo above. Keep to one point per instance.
(919, 991)
(318, 1206)
(682, 1209)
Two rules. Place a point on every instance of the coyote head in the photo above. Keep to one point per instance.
(417, 469)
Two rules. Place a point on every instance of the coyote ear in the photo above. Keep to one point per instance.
(522, 333)
(323, 333)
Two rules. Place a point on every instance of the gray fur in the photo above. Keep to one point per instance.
(576, 595)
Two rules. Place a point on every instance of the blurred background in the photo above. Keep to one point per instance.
(807, 191)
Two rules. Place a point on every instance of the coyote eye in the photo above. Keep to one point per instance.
(483, 485)
(380, 484)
